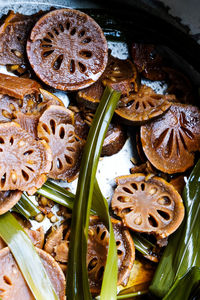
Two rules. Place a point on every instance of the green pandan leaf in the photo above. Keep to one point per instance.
(182, 252)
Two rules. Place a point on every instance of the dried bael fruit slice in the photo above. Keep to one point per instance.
(24, 162)
(67, 49)
(148, 61)
(120, 74)
(8, 199)
(170, 141)
(143, 106)
(12, 283)
(98, 241)
(13, 35)
(55, 127)
(148, 204)
(18, 87)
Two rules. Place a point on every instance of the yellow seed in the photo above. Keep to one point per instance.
(116, 72)
(138, 220)
(6, 114)
(53, 219)
(12, 107)
(17, 53)
(161, 201)
(152, 191)
(14, 67)
(50, 215)
(113, 78)
(44, 200)
(14, 177)
(39, 217)
(90, 232)
(74, 108)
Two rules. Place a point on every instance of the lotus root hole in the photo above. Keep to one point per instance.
(2, 291)
(62, 133)
(92, 264)
(69, 160)
(25, 175)
(58, 62)
(56, 31)
(85, 54)
(29, 152)
(127, 190)
(50, 34)
(68, 25)
(47, 53)
(164, 214)
(61, 27)
(3, 180)
(73, 31)
(142, 186)
(86, 40)
(100, 273)
(126, 211)
(118, 243)
(53, 126)
(119, 252)
(103, 235)
(45, 127)
(82, 67)
(98, 229)
(134, 186)
(123, 198)
(59, 164)
(72, 66)
(7, 280)
(1, 140)
(81, 33)
(152, 221)
(70, 149)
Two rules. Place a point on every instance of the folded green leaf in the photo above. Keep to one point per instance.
(77, 276)
(182, 251)
(144, 246)
(27, 258)
(186, 287)
(26, 207)
(109, 284)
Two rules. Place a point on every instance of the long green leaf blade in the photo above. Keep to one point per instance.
(27, 258)
(182, 251)
(77, 277)
(26, 207)
(109, 284)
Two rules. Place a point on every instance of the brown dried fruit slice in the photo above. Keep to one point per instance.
(98, 241)
(148, 61)
(119, 74)
(179, 85)
(24, 162)
(13, 35)
(55, 127)
(148, 204)
(170, 141)
(67, 49)
(8, 199)
(18, 87)
(14, 287)
(48, 99)
(143, 106)
(28, 122)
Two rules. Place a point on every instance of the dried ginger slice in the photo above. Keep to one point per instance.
(55, 127)
(24, 162)
(148, 204)
(169, 142)
(143, 106)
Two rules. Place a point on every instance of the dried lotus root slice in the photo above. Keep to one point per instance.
(170, 141)
(98, 241)
(12, 283)
(24, 162)
(143, 106)
(8, 199)
(28, 122)
(148, 204)
(48, 99)
(67, 49)
(55, 127)
(121, 75)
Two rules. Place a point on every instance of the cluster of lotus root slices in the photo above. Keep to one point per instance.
(39, 137)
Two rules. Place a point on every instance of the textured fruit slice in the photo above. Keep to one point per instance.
(18, 87)
(170, 142)
(12, 283)
(8, 199)
(98, 241)
(67, 49)
(28, 122)
(13, 35)
(148, 61)
(24, 162)
(143, 106)
(55, 127)
(120, 74)
(148, 204)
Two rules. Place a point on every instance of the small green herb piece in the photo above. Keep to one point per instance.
(27, 258)
(77, 276)
(182, 252)
(26, 207)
